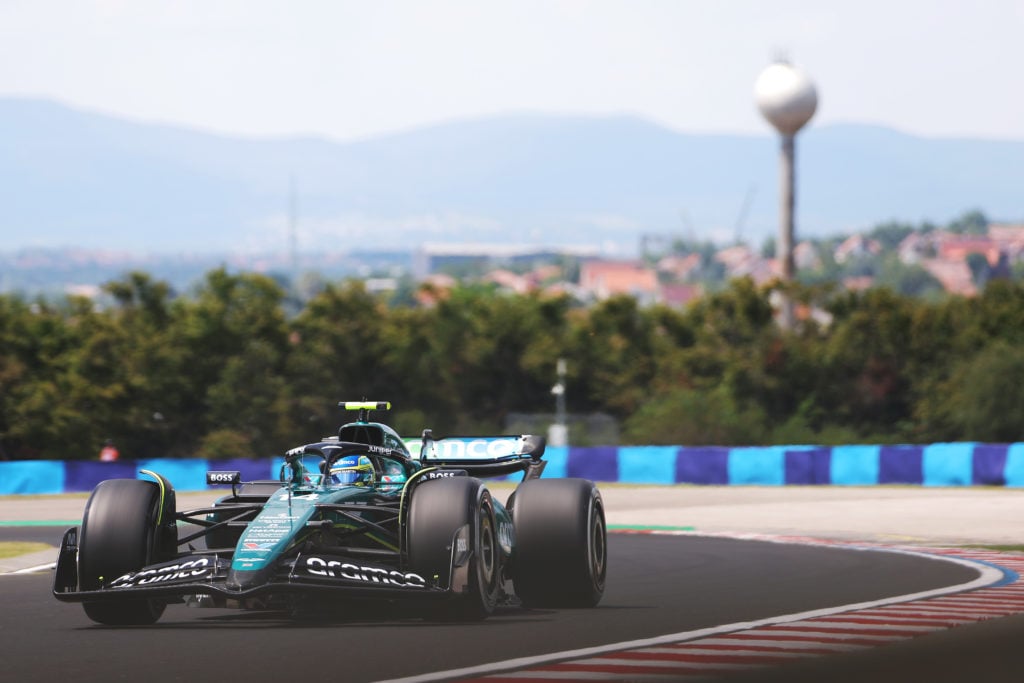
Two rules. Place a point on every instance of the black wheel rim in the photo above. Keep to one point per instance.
(487, 550)
(598, 548)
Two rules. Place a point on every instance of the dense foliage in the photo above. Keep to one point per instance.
(226, 372)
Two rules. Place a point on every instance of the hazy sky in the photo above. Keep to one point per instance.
(351, 69)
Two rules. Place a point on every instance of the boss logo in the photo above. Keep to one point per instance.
(223, 477)
(444, 474)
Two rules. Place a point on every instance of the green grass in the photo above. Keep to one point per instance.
(15, 548)
(999, 548)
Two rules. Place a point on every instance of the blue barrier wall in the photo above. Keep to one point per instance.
(939, 464)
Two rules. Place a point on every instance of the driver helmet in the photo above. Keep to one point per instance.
(355, 470)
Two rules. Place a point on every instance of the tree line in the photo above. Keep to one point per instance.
(238, 368)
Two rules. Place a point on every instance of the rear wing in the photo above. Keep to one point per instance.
(485, 456)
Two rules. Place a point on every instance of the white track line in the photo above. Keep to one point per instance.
(29, 570)
(988, 576)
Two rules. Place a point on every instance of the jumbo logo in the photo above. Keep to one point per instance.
(475, 448)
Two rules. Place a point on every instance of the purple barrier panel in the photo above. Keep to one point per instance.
(989, 466)
(597, 463)
(251, 468)
(702, 465)
(83, 475)
(807, 465)
(31, 476)
(900, 464)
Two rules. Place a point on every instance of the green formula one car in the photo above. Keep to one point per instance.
(353, 517)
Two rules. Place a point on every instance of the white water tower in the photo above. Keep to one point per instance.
(787, 98)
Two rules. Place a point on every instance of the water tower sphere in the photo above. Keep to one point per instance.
(786, 97)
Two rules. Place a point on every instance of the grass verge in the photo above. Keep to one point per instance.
(15, 548)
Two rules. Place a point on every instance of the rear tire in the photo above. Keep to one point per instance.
(561, 554)
(119, 535)
(439, 509)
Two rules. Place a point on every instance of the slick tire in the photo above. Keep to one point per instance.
(561, 554)
(118, 536)
(437, 511)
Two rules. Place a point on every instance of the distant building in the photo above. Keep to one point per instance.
(805, 257)
(679, 295)
(916, 247)
(957, 248)
(509, 281)
(435, 288)
(858, 283)
(742, 261)
(1007, 233)
(955, 275)
(857, 246)
(1010, 239)
(431, 258)
(679, 268)
(604, 279)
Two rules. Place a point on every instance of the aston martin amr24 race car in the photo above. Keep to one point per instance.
(356, 516)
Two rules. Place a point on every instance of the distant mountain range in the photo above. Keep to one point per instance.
(71, 178)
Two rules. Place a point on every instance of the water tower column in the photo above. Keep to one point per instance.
(787, 194)
(787, 99)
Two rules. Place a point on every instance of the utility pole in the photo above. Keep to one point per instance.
(558, 433)
(293, 219)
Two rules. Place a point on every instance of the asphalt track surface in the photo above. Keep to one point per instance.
(656, 585)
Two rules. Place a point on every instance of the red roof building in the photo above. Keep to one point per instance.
(604, 279)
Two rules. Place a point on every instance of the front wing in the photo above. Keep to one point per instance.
(210, 575)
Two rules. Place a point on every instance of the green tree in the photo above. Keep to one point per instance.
(34, 341)
(907, 280)
(235, 342)
(980, 269)
(339, 347)
(984, 397)
(611, 356)
(890, 234)
(150, 366)
(696, 417)
(972, 222)
(865, 381)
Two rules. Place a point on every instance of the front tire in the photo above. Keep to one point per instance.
(561, 554)
(438, 510)
(119, 535)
